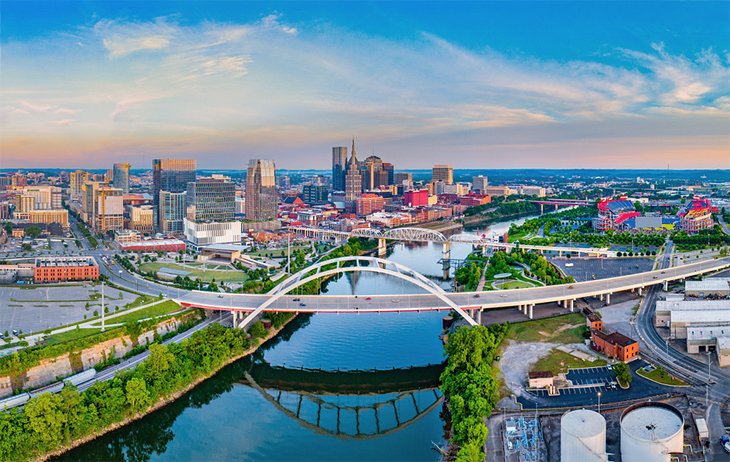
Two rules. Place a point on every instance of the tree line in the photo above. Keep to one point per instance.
(469, 383)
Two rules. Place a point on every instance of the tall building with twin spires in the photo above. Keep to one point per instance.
(353, 179)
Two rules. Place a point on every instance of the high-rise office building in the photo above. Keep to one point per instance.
(339, 167)
(261, 194)
(443, 173)
(121, 177)
(76, 181)
(371, 169)
(171, 175)
(404, 179)
(389, 170)
(103, 207)
(209, 199)
(479, 184)
(314, 194)
(171, 211)
(353, 179)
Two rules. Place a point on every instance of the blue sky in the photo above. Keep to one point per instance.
(481, 84)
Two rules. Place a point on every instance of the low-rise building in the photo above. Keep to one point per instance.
(708, 287)
(154, 245)
(59, 269)
(615, 345)
(540, 379)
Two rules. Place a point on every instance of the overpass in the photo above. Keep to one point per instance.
(469, 305)
(410, 234)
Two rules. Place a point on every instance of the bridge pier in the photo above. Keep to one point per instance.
(532, 305)
(479, 316)
(542, 209)
(640, 289)
(382, 247)
(446, 259)
(572, 305)
(608, 299)
(666, 286)
(556, 207)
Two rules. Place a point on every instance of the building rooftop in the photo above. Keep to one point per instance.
(64, 261)
(540, 375)
(708, 284)
(691, 305)
(614, 338)
(697, 317)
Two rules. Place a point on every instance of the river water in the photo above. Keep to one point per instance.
(329, 387)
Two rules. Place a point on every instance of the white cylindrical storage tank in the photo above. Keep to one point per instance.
(583, 437)
(650, 432)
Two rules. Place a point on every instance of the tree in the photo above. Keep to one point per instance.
(45, 420)
(137, 395)
(33, 231)
(622, 373)
(257, 330)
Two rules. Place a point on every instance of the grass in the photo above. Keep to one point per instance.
(69, 335)
(559, 362)
(158, 309)
(203, 275)
(515, 285)
(568, 328)
(660, 375)
(141, 300)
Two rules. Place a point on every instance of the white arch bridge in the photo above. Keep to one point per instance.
(469, 305)
(413, 234)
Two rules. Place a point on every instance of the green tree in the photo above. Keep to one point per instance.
(46, 421)
(257, 330)
(137, 395)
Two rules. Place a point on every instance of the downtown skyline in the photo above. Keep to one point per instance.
(490, 85)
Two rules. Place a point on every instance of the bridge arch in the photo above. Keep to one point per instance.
(381, 266)
(414, 235)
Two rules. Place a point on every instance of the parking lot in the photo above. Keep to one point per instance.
(36, 308)
(589, 382)
(583, 269)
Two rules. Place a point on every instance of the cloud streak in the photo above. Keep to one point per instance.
(282, 90)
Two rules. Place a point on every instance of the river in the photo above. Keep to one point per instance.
(329, 387)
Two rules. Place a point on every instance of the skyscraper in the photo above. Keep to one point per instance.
(339, 167)
(353, 179)
(479, 184)
(172, 175)
(261, 194)
(121, 177)
(443, 173)
(76, 181)
(171, 211)
(209, 199)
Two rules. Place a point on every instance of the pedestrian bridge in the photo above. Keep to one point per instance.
(469, 305)
(429, 235)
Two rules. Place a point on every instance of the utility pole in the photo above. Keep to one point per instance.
(103, 327)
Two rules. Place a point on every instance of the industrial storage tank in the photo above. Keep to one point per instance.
(650, 432)
(583, 437)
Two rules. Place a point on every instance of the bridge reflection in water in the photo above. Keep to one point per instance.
(349, 404)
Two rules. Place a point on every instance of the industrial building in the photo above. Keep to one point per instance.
(58, 269)
(703, 324)
(708, 288)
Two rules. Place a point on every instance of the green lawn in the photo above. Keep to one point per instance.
(276, 253)
(559, 361)
(159, 309)
(141, 300)
(661, 376)
(69, 335)
(514, 285)
(567, 328)
(202, 274)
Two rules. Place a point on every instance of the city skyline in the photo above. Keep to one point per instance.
(488, 85)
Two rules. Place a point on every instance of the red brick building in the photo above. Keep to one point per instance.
(59, 269)
(615, 345)
(154, 245)
(369, 203)
(594, 322)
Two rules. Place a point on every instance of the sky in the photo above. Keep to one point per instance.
(480, 84)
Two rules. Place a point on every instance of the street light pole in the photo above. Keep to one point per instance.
(599, 402)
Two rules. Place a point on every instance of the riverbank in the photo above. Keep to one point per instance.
(442, 226)
(162, 402)
(484, 220)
